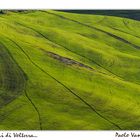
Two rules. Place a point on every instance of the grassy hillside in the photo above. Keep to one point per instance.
(69, 71)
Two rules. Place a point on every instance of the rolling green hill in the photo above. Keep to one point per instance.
(69, 71)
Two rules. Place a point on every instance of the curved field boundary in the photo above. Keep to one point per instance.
(36, 109)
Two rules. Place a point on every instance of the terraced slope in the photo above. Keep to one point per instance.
(68, 71)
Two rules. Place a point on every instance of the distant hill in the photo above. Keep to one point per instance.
(132, 14)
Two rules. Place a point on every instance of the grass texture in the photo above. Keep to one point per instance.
(69, 71)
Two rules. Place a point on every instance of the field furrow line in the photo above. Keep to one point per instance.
(36, 109)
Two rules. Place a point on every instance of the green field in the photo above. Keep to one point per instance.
(64, 70)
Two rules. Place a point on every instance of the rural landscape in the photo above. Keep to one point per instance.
(69, 70)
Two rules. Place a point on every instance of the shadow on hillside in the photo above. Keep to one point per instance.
(133, 14)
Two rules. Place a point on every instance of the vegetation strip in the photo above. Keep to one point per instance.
(66, 60)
